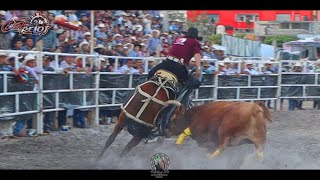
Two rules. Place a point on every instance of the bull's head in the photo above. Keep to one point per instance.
(178, 122)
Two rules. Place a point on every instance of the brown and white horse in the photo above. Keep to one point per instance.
(140, 113)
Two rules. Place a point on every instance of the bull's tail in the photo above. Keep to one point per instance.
(266, 111)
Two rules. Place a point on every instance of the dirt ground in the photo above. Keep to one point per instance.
(293, 142)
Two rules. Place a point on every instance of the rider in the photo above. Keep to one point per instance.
(183, 49)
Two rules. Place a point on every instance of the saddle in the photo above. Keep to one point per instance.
(171, 79)
(141, 100)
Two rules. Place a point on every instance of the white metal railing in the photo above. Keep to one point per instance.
(96, 86)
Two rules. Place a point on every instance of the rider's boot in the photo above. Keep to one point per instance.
(184, 98)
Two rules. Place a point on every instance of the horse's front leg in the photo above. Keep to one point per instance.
(132, 143)
(117, 129)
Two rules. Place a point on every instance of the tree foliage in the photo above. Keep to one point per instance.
(215, 39)
(280, 39)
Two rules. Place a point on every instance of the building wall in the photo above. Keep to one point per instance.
(228, 17)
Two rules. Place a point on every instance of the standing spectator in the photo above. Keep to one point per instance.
(5, 126)
(295, 103)
(147, 24)
(48, 115)
(153, 42)
(30, 64)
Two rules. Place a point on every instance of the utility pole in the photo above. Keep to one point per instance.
(165, 21)
(92, 31)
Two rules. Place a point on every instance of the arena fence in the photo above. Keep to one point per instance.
(92, 92)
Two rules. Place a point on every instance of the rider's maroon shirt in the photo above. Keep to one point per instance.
(186, 48)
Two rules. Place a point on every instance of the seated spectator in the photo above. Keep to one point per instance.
(207, 67)
(18, 45)
(84, 48)
(119, 52)
(317, 66)
(249, 69)
(151, 64)
(218, 54)
(104, 65)
(220, 70)
(46, 64)
(101, 35)
(49, 40)
(136, 52)
(100, 49)
(229, 68)
(3, 65)
(138, 65)
(128, 68)
(206, 52)
(165, 50)
(8, 62)
(116, 39)
(87, 37)
(270, 69)
(29, 45)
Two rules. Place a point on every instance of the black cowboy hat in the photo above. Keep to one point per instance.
(193, 32)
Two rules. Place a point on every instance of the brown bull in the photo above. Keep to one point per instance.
(225, 124)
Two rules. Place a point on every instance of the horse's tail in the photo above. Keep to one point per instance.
(266, 111)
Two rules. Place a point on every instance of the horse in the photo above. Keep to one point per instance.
(140, 114)
(224, 124)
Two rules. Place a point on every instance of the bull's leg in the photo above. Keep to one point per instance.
(224, 141)
(259, 151)
(117, 129)
(259, 144)
(132, 143)
(183, 135)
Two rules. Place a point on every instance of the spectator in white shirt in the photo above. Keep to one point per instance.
(30, 64)
(250, 70)
(128, 68)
